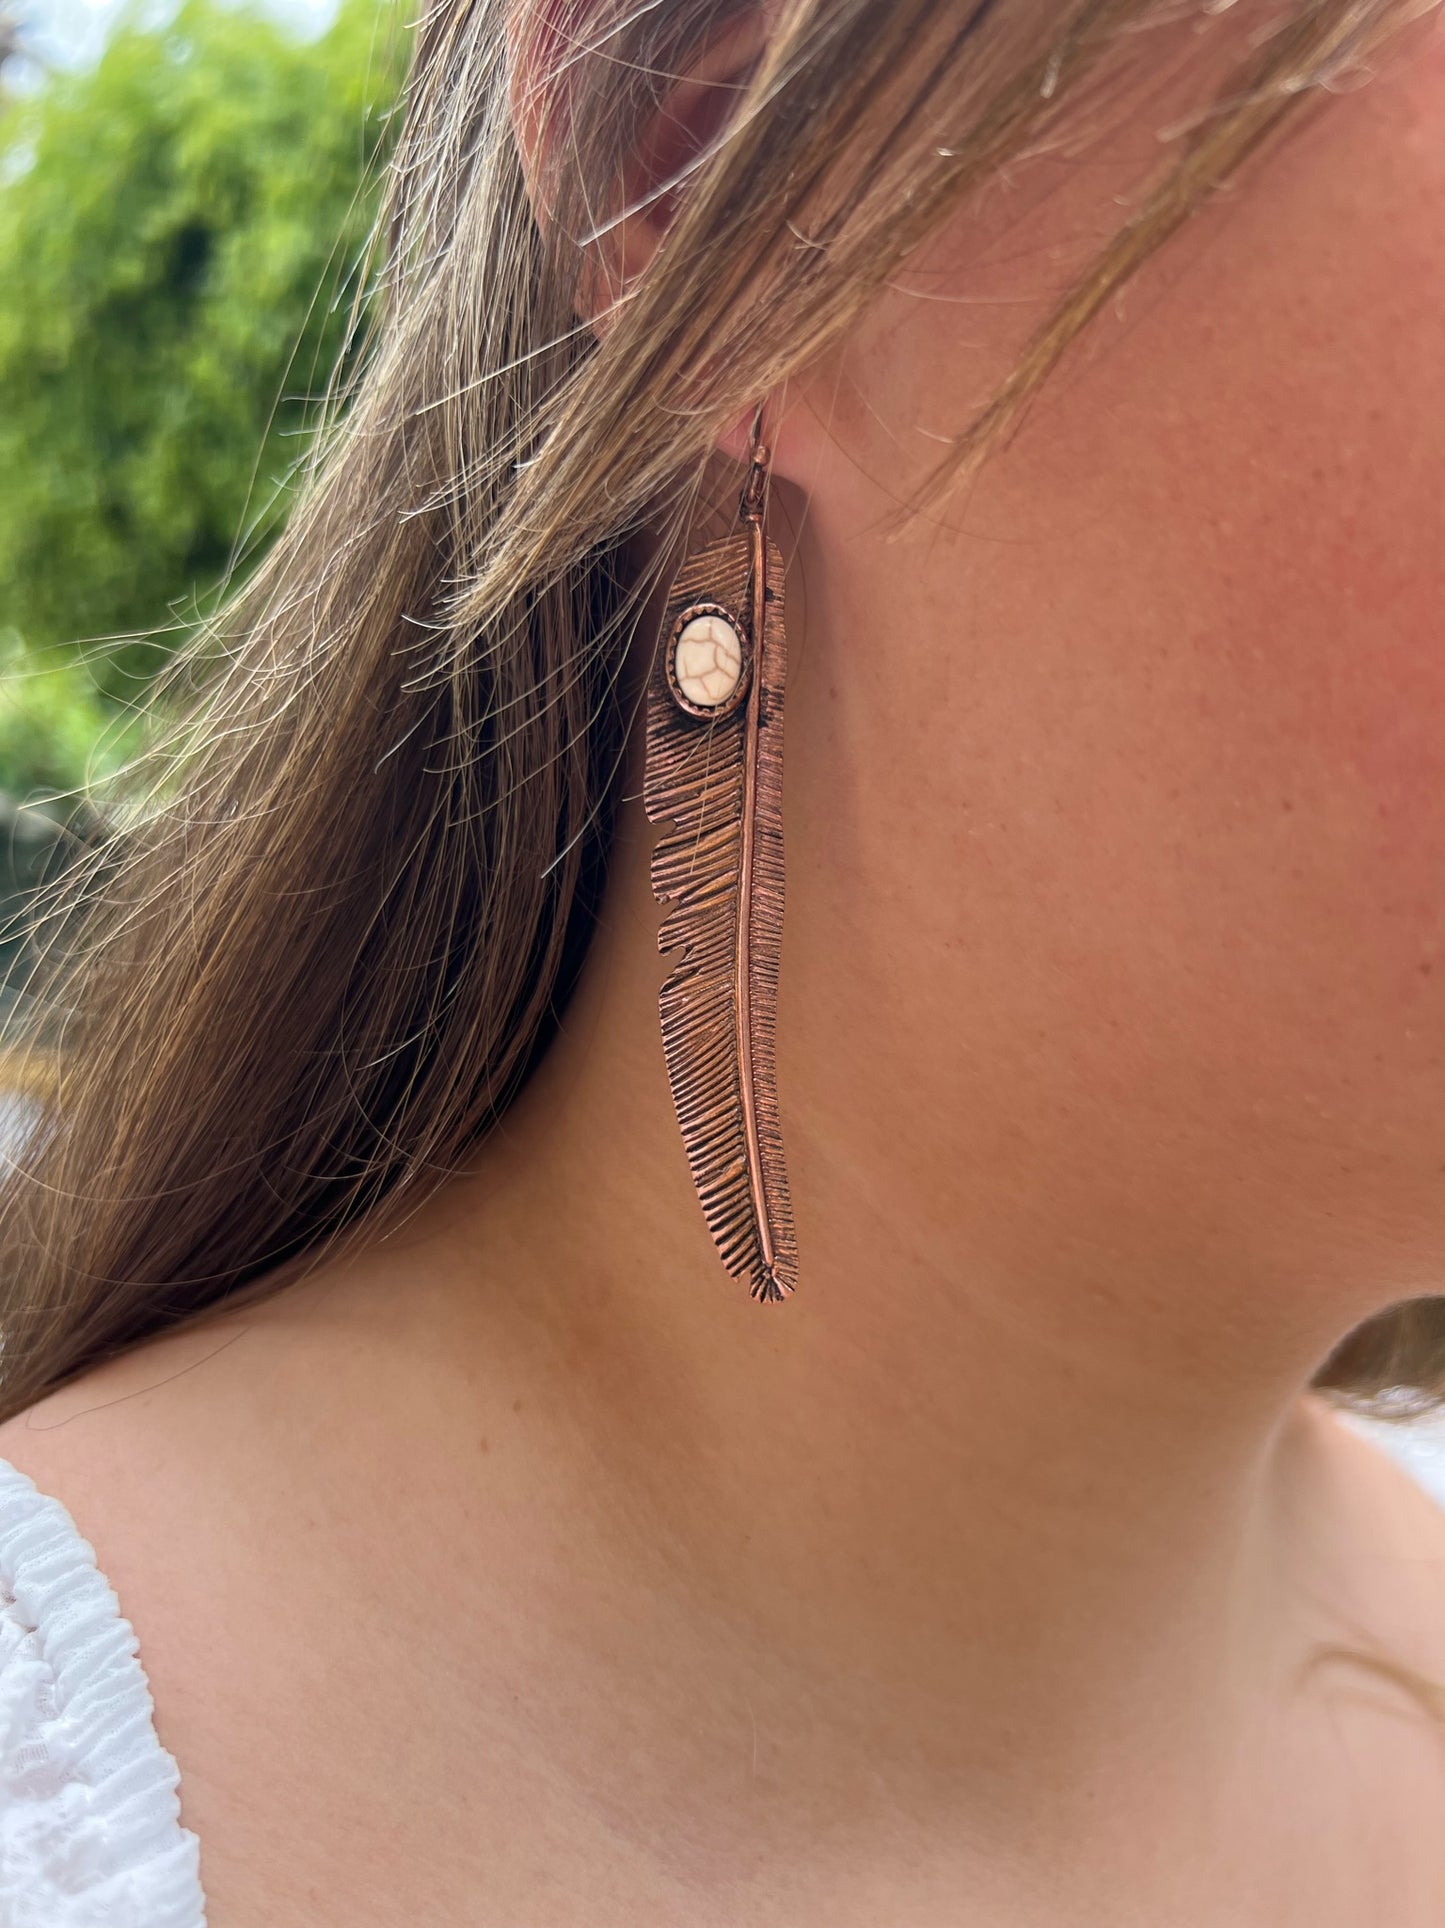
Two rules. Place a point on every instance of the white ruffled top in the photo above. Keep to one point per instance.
(90, 1831)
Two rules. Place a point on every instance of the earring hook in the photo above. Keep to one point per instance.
(760, 458)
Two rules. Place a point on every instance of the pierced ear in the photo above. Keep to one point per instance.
(654, 170)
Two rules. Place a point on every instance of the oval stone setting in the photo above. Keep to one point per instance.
(706, 668)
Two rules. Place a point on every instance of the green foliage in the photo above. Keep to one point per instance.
(180, 232)
(56, 731)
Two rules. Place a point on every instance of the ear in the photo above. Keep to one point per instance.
(691, 112)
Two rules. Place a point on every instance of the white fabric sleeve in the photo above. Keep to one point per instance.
(90, 1831)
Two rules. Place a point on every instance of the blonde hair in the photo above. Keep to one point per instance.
(352, 887)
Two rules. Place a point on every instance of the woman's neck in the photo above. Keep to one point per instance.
(1036, 1539)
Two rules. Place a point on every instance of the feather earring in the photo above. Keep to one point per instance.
(714, 767)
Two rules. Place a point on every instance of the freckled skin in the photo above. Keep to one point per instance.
(973, 1585)
(1170, 804)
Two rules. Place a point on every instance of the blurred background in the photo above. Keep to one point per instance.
(185, 189)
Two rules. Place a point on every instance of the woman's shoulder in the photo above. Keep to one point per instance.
(1385, 1492)
(133, 1606)
(1416, 1445)
(236, 1483)
(90, 1826)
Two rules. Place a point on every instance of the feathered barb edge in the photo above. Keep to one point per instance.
(719, 780)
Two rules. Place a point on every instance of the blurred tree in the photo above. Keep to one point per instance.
(10, 49)
(180, 230)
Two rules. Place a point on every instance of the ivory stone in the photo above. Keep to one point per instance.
(708, 660)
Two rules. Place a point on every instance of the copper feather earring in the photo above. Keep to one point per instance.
(714, 767)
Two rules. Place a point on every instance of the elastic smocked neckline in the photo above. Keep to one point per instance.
(90, 1830)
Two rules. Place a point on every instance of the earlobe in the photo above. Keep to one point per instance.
(737, 440)
(653, 171)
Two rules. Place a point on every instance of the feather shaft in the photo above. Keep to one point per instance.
(716, 776)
